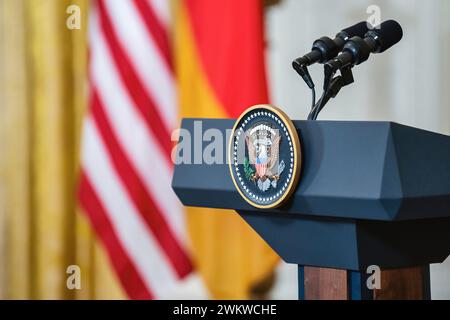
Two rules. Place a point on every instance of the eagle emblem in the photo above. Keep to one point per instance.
(264, 156)
(262, 165)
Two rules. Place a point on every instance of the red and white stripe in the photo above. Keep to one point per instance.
(126, 168)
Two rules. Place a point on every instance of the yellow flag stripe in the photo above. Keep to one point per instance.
(228, 254)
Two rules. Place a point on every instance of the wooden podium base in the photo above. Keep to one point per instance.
(334, 284)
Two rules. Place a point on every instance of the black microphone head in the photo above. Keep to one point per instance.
(386, 35)
(357, 30)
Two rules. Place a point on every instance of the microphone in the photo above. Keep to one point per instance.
(324, 49)
(358, 50)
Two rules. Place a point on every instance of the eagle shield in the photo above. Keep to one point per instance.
(263, 145)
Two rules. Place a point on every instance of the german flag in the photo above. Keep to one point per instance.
(220, 69)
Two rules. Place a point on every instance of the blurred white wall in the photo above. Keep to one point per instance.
(408, 84)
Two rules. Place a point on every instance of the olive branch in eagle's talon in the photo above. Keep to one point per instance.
(249, 170)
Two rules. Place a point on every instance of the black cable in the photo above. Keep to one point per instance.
(332, 86)
(333, 89)
(313, 110)
(313, 92)
(319, 106)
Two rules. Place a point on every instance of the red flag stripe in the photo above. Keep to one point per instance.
(130, 278)
(155, 28)
(139, 194)
(136, 90)
(233, 65)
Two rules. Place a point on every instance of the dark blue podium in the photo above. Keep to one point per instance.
(370, 193)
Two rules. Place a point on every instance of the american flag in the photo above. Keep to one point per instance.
(126, 165)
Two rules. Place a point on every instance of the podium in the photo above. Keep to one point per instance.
(371, 195)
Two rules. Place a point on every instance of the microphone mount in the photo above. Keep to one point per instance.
(332, 85)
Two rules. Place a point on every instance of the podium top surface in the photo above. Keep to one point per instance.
(351, 169)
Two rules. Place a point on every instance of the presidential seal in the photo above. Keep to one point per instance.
(264, 156)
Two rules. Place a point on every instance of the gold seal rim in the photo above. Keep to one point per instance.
(297, 155)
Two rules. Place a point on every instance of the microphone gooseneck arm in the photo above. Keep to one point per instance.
(333, 87)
